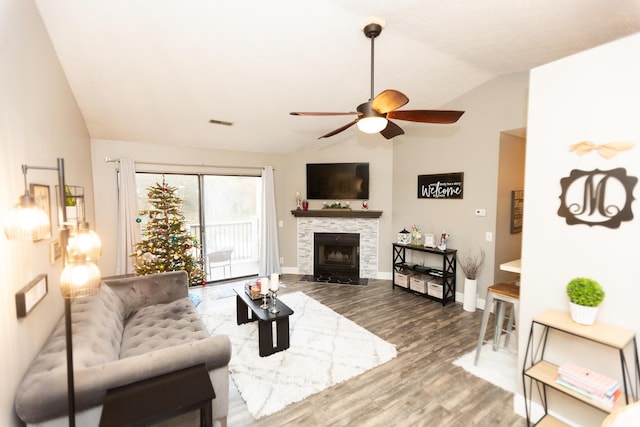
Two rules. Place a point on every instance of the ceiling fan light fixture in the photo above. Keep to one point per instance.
(373, 124)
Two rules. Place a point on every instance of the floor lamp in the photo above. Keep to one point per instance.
(81, 248)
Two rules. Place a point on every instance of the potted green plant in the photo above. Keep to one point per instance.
(585, 296)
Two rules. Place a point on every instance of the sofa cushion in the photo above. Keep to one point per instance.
(160, 326)
(98, 324)
(142, 291)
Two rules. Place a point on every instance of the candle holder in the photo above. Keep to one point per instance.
(274, 297)
(265, 303)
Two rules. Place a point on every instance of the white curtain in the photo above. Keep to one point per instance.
(269, 254)
(128, 228)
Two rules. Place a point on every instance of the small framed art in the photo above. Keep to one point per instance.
(29, 296)
(42, 198)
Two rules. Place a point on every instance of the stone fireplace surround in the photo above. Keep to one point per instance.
(367, 227)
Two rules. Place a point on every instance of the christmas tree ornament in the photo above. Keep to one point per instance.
(138, 220)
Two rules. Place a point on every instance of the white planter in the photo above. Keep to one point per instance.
(583, 314)
(470, 291)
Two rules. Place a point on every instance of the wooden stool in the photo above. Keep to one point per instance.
(502, 293)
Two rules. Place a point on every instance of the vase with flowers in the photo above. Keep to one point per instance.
(416, 235)
(471, 266)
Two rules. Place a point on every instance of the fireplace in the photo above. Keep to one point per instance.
(336, 255)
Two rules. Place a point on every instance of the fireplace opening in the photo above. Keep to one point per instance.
(336, 255)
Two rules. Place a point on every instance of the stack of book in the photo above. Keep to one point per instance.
(589, 383)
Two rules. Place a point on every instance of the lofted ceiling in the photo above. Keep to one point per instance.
(157, 71)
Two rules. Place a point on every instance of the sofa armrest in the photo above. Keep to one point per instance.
(141, 291)
(34, 404)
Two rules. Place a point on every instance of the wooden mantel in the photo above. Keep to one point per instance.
(334, 213)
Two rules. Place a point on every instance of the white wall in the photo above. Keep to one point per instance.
(591, 96)
(470, 146)
(39, 122)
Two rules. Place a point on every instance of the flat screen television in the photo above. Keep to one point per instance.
(338, 181)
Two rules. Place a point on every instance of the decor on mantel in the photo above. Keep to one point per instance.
(298, 200)
(585, 296)
(336, 213)
(336, 205)
(471, 266)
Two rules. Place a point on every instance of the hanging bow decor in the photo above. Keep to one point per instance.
(608, 150)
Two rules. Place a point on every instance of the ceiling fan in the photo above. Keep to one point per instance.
(375, 114)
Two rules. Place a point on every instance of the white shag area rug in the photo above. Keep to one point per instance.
(497, 367)
(325, 349)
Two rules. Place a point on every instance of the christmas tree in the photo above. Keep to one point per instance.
(166, 243)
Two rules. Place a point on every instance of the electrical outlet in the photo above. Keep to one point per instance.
(281, 223)
(481, 212)
(488, 236)
(281, 260)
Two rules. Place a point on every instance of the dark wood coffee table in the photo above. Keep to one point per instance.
(248, 310)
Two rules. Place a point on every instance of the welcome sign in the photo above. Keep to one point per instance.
(441, 186)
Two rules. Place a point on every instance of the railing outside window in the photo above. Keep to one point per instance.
(239, 236)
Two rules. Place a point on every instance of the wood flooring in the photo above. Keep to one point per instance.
(420, 387)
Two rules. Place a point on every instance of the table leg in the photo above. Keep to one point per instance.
(265, 338)
(242, 311)
(282, 331)
(206, 415)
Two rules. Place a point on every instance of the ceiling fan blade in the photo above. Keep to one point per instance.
(306, 113)
(388, 100)
(426, 116)
(391, 130)
(340, 129)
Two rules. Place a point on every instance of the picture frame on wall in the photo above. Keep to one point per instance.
(42, 197)
(29, 296)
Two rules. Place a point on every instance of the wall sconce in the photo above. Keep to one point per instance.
(26, 221)
(81, 247)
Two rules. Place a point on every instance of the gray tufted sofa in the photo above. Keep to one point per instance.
(135, 328)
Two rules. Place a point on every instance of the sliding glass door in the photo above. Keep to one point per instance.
(222, 212)
(231, 207)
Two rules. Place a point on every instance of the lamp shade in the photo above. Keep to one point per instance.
(80, 278)
(84, 242)
(26, 221)
(372, 124)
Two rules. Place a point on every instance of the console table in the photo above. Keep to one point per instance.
(155, 399)
(444, 271)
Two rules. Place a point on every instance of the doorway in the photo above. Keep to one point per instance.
(511, 163)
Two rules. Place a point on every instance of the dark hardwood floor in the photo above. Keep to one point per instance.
(420, 387)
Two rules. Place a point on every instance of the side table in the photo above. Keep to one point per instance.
(158, 398)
